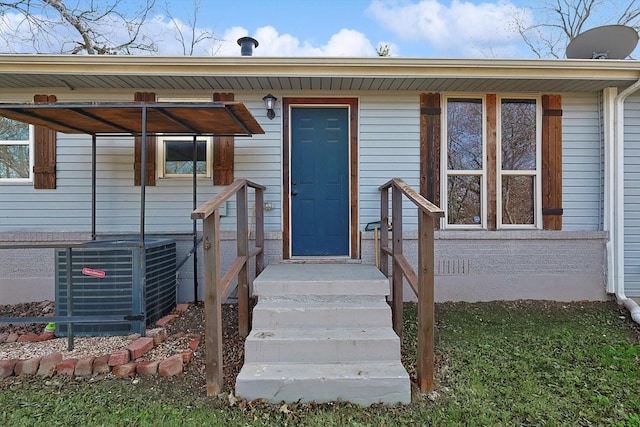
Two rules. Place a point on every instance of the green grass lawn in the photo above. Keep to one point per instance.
(522, 363)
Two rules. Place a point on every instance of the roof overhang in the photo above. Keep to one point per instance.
(224, 118)
(72, 72)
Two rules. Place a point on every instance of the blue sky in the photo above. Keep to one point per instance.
(357, 27)
(352, 28)
(424, 28)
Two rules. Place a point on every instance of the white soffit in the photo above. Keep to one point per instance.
(312, 74)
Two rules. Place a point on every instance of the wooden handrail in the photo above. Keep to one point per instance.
(422, 282)
(217, 284)
(216, 201)
(418, 199)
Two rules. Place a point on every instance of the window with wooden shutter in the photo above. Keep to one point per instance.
(223, 150)
(150, 148)
(502, 169)
(44, 156)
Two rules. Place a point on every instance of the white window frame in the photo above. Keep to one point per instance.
(30, 144)
(161, 139)
(446, 172)
(500, 173)
(537, 173)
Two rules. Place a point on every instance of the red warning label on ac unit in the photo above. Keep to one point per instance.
(93, 272)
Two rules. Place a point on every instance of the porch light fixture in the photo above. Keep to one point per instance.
(270, 103)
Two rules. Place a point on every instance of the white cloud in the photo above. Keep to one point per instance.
(461, 29)
(271, 43)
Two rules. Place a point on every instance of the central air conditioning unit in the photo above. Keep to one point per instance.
(116, 277)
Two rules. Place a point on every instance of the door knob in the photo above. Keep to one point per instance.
(294, 192)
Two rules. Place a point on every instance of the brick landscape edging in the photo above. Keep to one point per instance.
(121, 363)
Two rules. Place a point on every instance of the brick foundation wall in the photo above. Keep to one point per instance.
(511, 265)
(470, 265)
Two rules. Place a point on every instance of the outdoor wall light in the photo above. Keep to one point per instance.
(270, 103)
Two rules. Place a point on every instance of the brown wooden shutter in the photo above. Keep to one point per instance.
(552, 162)
(223, 150)
(430, 111)
(151, 148)
(44, 156)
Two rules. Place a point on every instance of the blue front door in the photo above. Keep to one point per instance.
(319, 181)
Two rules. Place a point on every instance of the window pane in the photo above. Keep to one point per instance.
(517, 199)
(518, 126)
(464, 134)
(179, 157)
(11, 130)
(14, 161)
(464, 200)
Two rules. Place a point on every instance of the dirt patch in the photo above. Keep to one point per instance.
(192, 322)
(30, 309)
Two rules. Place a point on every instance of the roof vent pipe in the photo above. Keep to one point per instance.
(246, 45)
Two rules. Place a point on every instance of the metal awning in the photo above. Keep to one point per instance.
(137, 118)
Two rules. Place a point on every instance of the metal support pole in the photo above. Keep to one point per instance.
(143, 173)
(142, 256)
(93, 186)
(69, 299)
(195, 221)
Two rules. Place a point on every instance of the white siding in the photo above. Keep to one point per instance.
(632, 196)
(389, 148)
(581, 161)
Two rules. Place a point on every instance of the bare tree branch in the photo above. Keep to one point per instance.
(92, 27)
(196, 36)
(560, 21)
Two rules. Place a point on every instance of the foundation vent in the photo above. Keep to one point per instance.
(452, 267)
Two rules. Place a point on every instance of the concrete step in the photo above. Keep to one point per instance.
(320, 279)
(322, 313)
(360, 383)
(318, 345)
(322, 332)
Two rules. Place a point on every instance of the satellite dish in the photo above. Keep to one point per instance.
(606, 42)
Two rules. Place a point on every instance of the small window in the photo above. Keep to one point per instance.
(176, 156)
(16, 159)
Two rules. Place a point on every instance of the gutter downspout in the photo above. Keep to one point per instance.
(617, 215)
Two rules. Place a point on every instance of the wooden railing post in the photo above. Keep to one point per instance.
(426, 303)
(396, 216)
(259, 237)
(217, 285)
(384, 231)
(212, 304)
(242, 227)
(422, 283)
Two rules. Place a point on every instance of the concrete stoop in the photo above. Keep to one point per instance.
(322, 332)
